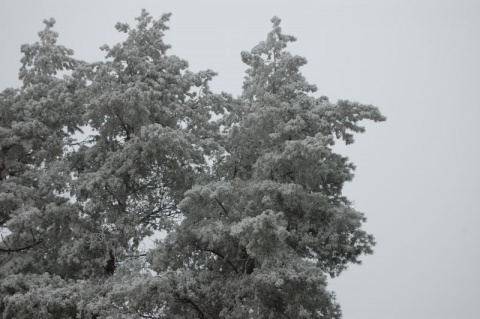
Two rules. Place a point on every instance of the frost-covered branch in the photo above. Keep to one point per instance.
(16, 250)
(184, 299)
(234, 268)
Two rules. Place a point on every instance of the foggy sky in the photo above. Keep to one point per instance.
(417, 177)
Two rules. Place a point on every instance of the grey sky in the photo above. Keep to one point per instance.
(418, 175)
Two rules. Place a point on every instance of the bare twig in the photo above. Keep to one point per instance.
(15, 250)
(221, 205)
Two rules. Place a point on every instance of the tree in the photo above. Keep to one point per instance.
(272, 222)
(252, 202)
(77, 210)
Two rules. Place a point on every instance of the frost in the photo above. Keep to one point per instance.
(129, 190)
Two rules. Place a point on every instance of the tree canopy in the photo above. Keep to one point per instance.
(96, 157)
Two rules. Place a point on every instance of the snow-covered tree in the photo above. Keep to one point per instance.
(259, 238)
(251, 201)
(73, 212)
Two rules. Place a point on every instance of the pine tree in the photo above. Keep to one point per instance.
(259, 239)
(75, 210)
(252, 202)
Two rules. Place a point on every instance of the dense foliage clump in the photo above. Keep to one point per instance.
(248, 189)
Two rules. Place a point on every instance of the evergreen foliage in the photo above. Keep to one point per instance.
(248, 189)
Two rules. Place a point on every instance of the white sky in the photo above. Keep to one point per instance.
(417, 174)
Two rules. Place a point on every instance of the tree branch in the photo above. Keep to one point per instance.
(136, 256)
(15, 250)
(225, 259)
(199, 311)
(223, 207)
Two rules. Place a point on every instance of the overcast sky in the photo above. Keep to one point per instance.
(417, 176)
